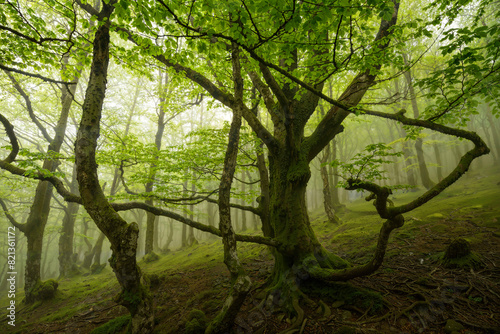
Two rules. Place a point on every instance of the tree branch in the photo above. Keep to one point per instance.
(202, 227)
(38, 76)
(13, 221)
(29, 107)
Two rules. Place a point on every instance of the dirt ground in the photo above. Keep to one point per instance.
(419, 295)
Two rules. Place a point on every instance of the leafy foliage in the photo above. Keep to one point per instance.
(366, 165)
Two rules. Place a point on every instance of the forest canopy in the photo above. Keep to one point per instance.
(203, 111)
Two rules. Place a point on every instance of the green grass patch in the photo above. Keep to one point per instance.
(120, 325)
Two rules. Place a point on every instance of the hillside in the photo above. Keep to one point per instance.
(411, 293)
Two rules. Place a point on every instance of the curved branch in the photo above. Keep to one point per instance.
(480, 148)
(56, 182)
(13, 221)
(6, 164)
(330, 275)
(31, 39)
(330, 125)
(38, 76)
(29, 106)
(202, 227)
(9, 129)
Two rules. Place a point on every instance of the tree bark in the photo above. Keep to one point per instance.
(150, 218)
(40, 209)
(241, 282)
(494, 131)
(327, 193)
(122, 236)
(66, 257)
(422, 166)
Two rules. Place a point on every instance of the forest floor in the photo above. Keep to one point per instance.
(411, 293)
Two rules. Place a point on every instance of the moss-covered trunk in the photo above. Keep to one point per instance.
(35, 226)
(122, 236)
(292, 228)
(66, 264)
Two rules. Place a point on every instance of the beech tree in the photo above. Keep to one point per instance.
(284, 51)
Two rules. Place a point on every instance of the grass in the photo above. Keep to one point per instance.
(473, 199)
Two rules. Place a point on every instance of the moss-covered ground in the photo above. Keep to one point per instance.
(411, 293)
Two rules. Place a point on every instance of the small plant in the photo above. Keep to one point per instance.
(196, 322)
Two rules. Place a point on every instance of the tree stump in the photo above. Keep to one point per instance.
(458, 254)
(457, 249)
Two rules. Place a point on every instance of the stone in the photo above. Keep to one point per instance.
(338, 303)
(453, 326)
(346, 315)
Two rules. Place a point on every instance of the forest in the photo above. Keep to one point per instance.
(266, 166)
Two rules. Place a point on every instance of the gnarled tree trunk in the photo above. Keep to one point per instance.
(122, 236)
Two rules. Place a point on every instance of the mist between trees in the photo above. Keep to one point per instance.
(131, 129)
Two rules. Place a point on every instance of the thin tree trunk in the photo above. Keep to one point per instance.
(241, 282)
(122, 236)
(494, 131)
(40, 209)
(422, 166)
(66, 264)
(327, 197)
(191, 239)
(243, 212)
(150, 218)
(439, 167)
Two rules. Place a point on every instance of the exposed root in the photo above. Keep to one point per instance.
(327, 312)
(300, 318)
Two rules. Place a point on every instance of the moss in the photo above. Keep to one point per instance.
(45, 290)
(35, 305)
(153, 280)
(202, 296)
(471, 261)
(436, 216)
(196, 322)
(64, 313)
(458, 254)
(151, 257)
(211, 305)
(97, 268)
(361, 298)
(115, 326)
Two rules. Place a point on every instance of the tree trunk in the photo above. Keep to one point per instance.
(150, 218)
(170, 236)
(290, 221)
(327, 194)
(191, 239)
(243, 212)
(67, 233)
(35, 226)
(122, 236)
(409, 162)
(241, 282)
(494, 131)
(439, 167)
(40, 209)
(422, 166)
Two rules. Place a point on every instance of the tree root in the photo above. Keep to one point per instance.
(327, 312)
(300, 318)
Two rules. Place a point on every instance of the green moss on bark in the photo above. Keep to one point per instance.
(44, 290)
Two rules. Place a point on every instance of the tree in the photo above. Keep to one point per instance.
(285, 51)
